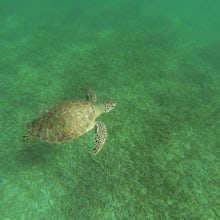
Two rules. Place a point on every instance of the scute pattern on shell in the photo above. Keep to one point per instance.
(63, 122)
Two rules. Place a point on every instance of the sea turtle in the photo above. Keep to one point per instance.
(71, 119)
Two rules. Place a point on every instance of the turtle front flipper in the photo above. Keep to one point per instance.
(90, 95)
(100, 136)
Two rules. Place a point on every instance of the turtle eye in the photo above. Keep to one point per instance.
(109, 105)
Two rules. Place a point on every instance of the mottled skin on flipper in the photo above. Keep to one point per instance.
(100, 136)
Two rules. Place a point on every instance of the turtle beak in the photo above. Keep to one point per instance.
(109, 105)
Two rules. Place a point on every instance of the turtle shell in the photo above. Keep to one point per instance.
(63, 122)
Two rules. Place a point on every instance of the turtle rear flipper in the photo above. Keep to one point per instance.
(100, 136)
(27, 137)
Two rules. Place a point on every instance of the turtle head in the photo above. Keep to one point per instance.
(109, 105)
(106, 106)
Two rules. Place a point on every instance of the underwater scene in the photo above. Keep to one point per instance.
(109, 110)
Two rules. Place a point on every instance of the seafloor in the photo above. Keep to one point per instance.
(160, 62)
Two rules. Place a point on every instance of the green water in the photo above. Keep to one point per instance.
(160, 60)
